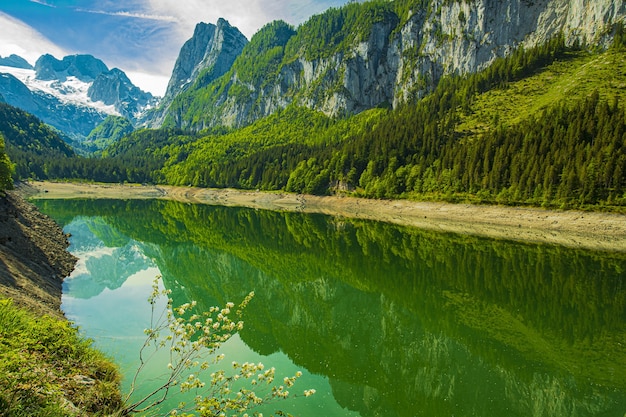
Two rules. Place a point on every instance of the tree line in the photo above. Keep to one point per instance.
(571, 154)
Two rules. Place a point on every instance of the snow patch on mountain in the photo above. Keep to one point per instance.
(71, 91)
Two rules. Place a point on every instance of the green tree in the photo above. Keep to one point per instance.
(193, 338)
(6, 168)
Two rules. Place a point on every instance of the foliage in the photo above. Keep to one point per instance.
(47, 369)
(110, 131)
(6, 167)
(192, 338)
(443, 147)
(260, 59)
(30, 144)
(337, 29)
(29, 135)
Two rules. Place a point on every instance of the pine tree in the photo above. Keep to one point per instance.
(6, 168)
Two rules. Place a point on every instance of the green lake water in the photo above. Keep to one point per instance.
(382, 320)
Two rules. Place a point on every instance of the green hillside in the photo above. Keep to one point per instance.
(111, 130)
(542, 127)
(43, 363)
(30, 144)
(575, 77)
(545, 127)
(6, 167)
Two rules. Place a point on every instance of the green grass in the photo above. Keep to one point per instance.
(47, 369)
(570, 79)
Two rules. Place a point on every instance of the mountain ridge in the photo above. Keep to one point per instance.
(74, 94)
(16, 61)
(380, 53)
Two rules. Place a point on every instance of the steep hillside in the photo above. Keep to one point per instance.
(377, 53)
(34, 256)
(111, 130)
(29, 142)
(542, 127)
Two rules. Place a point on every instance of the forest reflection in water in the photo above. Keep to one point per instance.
(400, 321)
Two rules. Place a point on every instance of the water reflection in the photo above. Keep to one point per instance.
(401, 322)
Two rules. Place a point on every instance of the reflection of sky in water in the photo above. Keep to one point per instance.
(107, 298)
(100, 265)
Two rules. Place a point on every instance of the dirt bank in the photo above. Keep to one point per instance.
(588, 230)
(33, 257)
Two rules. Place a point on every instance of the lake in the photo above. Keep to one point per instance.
(382, 320)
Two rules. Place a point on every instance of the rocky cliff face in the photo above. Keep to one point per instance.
(213, 48)
(83, 67)
(114, 88)
(404, 55)
(208, 55)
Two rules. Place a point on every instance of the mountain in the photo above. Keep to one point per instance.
(211, 50)
(15, 61)
(113, 88)
(84, 67)
(509, 102)
(208, 55)
(543, 126)
(380, 53)
(74, 94)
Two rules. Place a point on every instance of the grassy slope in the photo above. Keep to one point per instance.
(570, 80)
(46, 369)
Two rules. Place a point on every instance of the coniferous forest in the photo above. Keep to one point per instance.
(459, 143)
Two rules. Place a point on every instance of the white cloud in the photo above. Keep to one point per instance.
(124, 13)
(43, 3)
(154, 83)
(16, 37)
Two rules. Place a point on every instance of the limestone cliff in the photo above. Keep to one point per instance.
(207, 55)
(397, 51)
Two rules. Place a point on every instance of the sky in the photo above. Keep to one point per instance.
(141, 37)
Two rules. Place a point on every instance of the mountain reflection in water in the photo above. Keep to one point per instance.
(400, 321)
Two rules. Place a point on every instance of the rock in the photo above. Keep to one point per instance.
(206, 56)
(213, 48)
(114, 88)
(402, 57)
(83, 380)
(33, 249)
(15, 61)
(84, 67)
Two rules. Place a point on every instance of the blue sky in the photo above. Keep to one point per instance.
(142, 37)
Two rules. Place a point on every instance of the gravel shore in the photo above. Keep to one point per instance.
(588, 230)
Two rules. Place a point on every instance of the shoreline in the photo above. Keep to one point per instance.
(596, 231)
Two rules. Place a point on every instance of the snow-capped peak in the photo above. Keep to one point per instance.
(70, 91)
